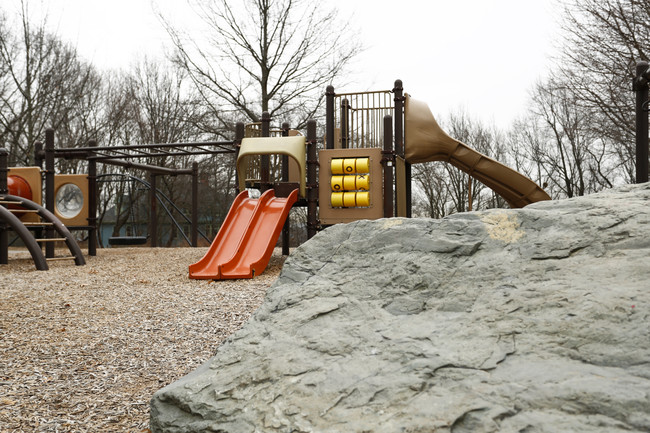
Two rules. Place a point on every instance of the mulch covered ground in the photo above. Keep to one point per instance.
(83, 348)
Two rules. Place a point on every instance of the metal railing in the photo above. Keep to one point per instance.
(360, 120)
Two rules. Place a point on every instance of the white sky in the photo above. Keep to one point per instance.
(482, 56)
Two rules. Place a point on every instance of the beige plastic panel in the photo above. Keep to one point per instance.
(33, 177)
(81, 181)
(334, 215)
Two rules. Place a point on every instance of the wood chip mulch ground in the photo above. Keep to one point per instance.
(83, 348)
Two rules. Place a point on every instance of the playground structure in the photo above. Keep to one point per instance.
(21, 213)
(363, 172)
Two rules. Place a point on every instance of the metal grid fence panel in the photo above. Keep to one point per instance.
(362, 126)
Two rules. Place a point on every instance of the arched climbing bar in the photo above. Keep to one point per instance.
(56, 224)
(22, 231)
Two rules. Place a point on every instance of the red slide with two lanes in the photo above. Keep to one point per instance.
(246, 239)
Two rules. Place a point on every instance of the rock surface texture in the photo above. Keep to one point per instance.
(529, 320)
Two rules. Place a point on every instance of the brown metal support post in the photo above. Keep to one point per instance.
(240, 131)
(329, 117)
(312, 181)
(398, 91)
(345, 109)
(92, 202)
(388, 163)
(265, 163)
(49, 187)
(4, 232)
(38, 154)
(195, 204)
(153, 219)
(286, 229)
(640, 86)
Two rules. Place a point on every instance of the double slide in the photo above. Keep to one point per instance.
(246, 239)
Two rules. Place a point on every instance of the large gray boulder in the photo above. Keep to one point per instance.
(529, 320)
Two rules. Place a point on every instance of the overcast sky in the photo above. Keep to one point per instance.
(481, 56)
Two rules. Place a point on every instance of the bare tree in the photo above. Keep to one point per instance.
(562, 143)
(445, 189)
(524, 144)
(265, 55)
(431, 185)
(603, 41)
(42, 81)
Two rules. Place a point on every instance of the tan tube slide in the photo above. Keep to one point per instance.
(425, 141)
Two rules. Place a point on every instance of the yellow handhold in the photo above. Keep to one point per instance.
(337, 183)
(362, 165)
(337, 166)
(349, 183)
(349, 199)
(363, 182)
(337, 199)
(363, 199)
(349, 165)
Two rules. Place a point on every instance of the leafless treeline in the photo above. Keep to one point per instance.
(578, 135)
(276, 59)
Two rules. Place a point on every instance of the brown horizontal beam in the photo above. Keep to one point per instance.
(150, 168)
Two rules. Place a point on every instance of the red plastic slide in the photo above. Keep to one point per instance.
(246, 239)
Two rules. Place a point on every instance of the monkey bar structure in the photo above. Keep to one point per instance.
(122, 156)
(125, 156)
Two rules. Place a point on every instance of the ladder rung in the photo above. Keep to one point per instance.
(34, 224)
(53, 259)
(10, 202)
(50, 240)
(23, 211)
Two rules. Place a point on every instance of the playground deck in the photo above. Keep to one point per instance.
(84, 348)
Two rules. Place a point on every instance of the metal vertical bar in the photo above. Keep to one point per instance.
(312, 181)
(240, 131)
(265, 160)
(153, 219)
(399, 119)
(640, 86)
(286, 229)
(329, 117)
(49, 187)
(344, 123)
(398, 92)
(4, 232)
(38, 154)
(4, 170)
(92, 202)
(353, 125)
(387, 162)
(195, 204)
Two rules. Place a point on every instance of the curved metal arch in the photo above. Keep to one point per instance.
(34, 249)
(56, 223)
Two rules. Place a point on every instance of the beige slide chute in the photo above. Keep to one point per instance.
(425, 141)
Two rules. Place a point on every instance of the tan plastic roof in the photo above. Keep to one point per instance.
(293, 147)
